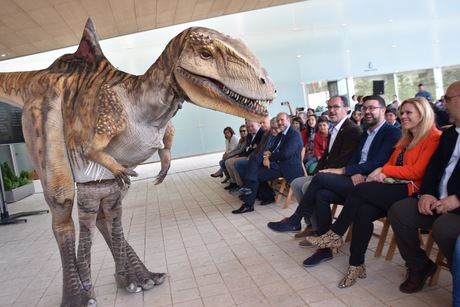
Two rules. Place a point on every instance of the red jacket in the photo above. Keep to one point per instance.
(415, 161)
(319, 144)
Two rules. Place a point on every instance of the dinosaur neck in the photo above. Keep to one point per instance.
(160, 97)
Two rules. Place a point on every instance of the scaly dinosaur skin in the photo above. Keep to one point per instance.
(88, 123)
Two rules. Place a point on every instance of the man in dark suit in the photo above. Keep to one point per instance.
(256, 133)
(282, 161)
(437, 205)
(332, 185)
(343, 140)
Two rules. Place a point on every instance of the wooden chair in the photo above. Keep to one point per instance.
(284, 185)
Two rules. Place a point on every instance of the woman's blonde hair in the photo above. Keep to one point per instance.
(427, 122)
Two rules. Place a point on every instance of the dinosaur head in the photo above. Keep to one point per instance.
(218, 72)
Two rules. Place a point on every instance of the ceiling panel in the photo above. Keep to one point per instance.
(32, 26)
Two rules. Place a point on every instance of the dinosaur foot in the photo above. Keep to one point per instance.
(161, 176)
(142, 282)
(84, 299)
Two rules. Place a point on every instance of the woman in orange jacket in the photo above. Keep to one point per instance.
(399, 178)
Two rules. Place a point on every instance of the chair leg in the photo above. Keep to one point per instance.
(391, 249)
(382, 239)
(333, 210)
(439, 262)
(280, 191)
(429, 244)
(287, 202)
(349, 233)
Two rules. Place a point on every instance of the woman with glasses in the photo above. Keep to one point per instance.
(399, 178)
(233, 147)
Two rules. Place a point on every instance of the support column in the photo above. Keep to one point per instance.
(438, 82)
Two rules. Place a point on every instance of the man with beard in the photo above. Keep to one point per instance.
(332, 185)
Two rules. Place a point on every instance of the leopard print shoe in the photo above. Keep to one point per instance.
(354, 272)
(328, 240)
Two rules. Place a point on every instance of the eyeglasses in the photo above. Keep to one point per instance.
(334, 107)
(447, 98)
(371, 108)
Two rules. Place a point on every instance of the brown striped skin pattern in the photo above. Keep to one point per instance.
(88, 123)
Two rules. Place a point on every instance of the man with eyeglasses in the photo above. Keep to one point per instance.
(437, 206)
(332, 185)
(343, 138)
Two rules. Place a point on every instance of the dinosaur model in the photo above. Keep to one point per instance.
(86, 122)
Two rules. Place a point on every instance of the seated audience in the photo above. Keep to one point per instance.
(333, 185)
(298, 125)
(394, 103)
(391, 116)
(231, 143)
(253, 140)
(320, 140)
(241, 146)
(282, 161)
(399, 178)
(357, 117)
(240, 165)
(437, 204)
(343, 140)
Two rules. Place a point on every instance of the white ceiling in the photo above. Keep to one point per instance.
(32, 26)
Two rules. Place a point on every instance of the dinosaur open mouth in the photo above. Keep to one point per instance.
(258, 106)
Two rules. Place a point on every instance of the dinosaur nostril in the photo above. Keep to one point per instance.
(262, 80)
(275, 91)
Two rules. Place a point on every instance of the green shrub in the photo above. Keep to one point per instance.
(10, 180)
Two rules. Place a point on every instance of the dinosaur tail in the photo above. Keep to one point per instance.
(12, 85)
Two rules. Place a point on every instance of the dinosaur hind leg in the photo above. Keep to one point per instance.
(131, 273)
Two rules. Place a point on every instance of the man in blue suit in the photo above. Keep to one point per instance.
(332, 185)
(282, 161)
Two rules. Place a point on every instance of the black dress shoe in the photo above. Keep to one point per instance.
(231, 186)
(416, 278)
(243, 209)
(225, 180)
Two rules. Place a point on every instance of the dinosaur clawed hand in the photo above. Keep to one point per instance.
(161, 176)
(122, 176)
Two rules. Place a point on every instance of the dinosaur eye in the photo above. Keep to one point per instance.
(205, 55)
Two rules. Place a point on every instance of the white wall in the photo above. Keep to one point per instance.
(335, 39)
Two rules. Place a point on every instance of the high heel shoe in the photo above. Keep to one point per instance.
(328, 240)
(219, 173)
(354, 272)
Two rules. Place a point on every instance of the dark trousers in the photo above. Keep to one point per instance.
(324, 189)
(405, 220)
(261, 174)
(366, 203)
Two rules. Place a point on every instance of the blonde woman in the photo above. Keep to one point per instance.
(399, 178)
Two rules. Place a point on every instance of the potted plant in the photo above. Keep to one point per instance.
(16, 188)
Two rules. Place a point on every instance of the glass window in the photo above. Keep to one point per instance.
(364, 86)
(450, 74)
(408, 82)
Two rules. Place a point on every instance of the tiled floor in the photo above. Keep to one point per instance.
(214, 258)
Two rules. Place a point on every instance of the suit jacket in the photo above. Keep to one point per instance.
(344, 145)
(287, 155)
(256, 141)
(438, 164)
(379, 152)
(415, 161)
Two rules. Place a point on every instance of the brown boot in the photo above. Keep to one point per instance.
(219, 173)
(416, 278)
(307, 232)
